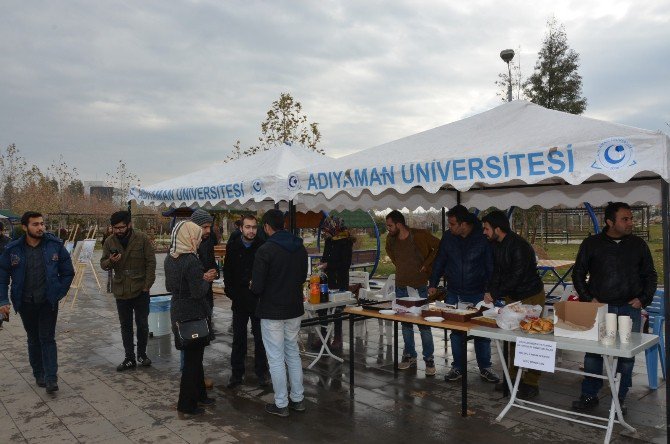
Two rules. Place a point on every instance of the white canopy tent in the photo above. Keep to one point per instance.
(517, 154)
(257, 182)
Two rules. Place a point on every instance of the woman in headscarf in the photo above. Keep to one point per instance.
(184, 278)
(336, 261)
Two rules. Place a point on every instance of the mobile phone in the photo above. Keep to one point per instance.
(113, 251)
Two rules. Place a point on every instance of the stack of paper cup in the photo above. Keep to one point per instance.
(625, 328)
(610, 329)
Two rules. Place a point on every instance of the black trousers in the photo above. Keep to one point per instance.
(39, 320)
(139, 306)
(238, 355)
(192, 386)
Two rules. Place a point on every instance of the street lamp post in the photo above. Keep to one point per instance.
(507, 55)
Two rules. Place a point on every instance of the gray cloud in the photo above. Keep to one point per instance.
(170, 86)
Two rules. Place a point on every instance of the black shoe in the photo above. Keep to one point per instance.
(235, 381)
(144, 361)
(207, 402)
(624, 410)
(264, 381)
(585, 403)
(52, 387)
(453, 375)
(40, 382)
(297, 406)
(127, 364)
(527, 392)
(272, 409)
(195, 412)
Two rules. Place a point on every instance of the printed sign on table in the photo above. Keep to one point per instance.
(535, 354)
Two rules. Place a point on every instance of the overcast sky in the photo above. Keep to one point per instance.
(169, 86)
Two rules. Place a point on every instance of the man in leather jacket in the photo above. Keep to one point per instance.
(514, 279)
(622, 275)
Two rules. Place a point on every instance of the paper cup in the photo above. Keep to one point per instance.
(625, 328)
(610, 328)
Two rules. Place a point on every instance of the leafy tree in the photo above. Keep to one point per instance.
(556, 84)
(284, 123)
(13, 168)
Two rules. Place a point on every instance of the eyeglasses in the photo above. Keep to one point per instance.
(120, 228)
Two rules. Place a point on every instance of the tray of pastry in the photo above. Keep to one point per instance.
(484, 321)
(451, 314)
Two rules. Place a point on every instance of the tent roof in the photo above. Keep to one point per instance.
(517, 143)
(237, 184)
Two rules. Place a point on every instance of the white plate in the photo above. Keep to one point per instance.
(434, 318)
(387, 312)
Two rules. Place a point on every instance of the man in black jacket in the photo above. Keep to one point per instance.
(514, 279)
(280, 270)
(206, 250)
(622, 275)
(239, 262)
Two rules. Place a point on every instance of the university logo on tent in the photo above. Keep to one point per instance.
(293, 182)
(614, 154)
(257, 187)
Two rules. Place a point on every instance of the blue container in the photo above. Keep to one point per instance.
(159, 315)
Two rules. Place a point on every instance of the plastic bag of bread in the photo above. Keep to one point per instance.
(512, 314)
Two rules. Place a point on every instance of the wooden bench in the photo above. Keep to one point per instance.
(363, 259)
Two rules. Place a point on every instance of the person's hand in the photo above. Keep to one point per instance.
(5, 309)
(595, 301)
(488, 299)
(115, 257)
(209, 275)
(323, 266)
(432, 291)
(635, 303)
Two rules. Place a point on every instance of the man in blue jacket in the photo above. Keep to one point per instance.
(40, 271)
(465, 259)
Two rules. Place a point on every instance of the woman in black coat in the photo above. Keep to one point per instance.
(184, 278)
(336, 261)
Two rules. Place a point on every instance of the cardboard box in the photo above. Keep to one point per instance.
(587, 317)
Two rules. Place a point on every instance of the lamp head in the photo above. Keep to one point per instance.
(507, 55)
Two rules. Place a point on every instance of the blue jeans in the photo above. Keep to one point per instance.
(280, 338)
(424, 330)
(482, 345)
(594, 363)
(39, 320)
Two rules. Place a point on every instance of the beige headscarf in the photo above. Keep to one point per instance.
(185, 238)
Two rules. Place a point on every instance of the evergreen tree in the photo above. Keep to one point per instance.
(556, 84)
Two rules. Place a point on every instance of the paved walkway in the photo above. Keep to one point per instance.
(97, 404)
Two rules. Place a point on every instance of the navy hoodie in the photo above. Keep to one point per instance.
(279, 272)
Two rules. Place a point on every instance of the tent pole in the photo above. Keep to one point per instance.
(292, 217)
(444, 219)
(665, 192)
(592, 215)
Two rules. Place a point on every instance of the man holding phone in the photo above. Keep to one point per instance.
(130, 254)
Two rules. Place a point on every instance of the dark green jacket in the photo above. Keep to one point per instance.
(137, 268)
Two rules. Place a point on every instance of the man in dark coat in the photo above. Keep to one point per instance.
(237, 268)
(614, 267)
(278, 276)
(40, 271)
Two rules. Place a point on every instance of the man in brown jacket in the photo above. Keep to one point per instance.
(412, 251)
(133, 258)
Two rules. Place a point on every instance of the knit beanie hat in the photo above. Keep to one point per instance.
(201, 217)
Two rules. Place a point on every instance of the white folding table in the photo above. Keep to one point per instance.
(311, 312)
(638, 343)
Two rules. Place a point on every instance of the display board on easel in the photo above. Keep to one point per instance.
(82, 259)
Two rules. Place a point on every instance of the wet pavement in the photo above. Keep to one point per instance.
(95, 403)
